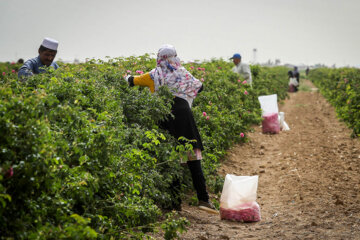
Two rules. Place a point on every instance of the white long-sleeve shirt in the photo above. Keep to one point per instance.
(243, 70)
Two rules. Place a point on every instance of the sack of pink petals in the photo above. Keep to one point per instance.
(238, 199)
(246, 212)
(270, 124)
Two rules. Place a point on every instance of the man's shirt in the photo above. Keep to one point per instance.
(34, 66)
(243, 70)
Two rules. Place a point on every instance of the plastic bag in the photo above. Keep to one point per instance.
(270, 124)
(292, 88)
(294, 82)
(268, 104)
(283, 124)
(270, 110)
(238, 199)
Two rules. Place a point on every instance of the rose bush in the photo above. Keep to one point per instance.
(82, 154)
(341, 87)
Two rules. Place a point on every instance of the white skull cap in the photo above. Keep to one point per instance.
(167, 50)
(50, 43)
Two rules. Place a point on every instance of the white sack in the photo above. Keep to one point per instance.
(268, 104)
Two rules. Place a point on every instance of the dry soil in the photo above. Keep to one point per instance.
(309, 178)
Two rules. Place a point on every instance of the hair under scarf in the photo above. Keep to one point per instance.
(169, 72)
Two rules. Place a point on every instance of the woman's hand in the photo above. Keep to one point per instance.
(127, 77)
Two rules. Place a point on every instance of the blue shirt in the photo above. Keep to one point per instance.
(34, 66)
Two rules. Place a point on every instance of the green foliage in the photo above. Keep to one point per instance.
(82, 155)
(172, 226)
(9, 69)
(342, 89)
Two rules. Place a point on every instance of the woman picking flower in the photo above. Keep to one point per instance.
(169, 72)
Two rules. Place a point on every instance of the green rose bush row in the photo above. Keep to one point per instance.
(341, 87)
(82, 156)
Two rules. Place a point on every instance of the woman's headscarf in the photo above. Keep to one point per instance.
(170, 72)
(290, 74)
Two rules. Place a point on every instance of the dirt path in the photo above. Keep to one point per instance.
(309, 179)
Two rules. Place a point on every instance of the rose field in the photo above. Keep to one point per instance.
(82, 155)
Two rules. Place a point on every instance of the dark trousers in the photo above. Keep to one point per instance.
(198, 180)
(199, 184)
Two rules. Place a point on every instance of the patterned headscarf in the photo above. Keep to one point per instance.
(170, 72)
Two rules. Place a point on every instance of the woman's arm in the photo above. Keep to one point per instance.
(143, 80)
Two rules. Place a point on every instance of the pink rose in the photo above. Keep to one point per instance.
(207, 117)
(244, 82)
(204, 114)
(242, 135)
(4, 73)
(246, 92)
(128, 71)
(192, 67)
(202, 79)
(239, 80)
(13, 71)
(139, 72)
(9, 173)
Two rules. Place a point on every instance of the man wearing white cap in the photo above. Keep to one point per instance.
(47, 53)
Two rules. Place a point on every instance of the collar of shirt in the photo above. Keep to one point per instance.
(38, 61)
(39, 66)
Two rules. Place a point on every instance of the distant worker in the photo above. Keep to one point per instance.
(307, 71)
(293, 83)
(296, 74)
(47, 52)
(241, 68)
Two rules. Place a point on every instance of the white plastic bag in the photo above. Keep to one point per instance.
(269, 109)
(283, 124)
(238, 199)
(294, 82)
(268, 104)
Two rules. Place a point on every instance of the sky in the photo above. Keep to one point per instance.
(297, 32)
